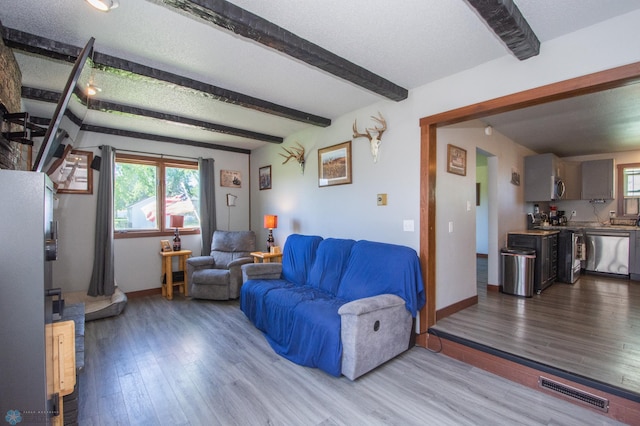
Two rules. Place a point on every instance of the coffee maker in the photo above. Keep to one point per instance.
(562, 218)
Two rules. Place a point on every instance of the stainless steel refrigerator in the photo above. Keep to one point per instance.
(28, 245)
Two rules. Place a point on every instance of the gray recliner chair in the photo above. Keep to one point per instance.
(219, 276)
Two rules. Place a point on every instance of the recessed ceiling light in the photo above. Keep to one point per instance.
(104, 5)
(93, 90)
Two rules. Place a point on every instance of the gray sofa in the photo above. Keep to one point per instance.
(219, 275)
(340, 305)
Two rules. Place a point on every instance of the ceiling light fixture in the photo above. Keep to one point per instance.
(488, 130)
(92, 90)
(104, 5)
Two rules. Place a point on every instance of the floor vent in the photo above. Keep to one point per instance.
(590, 399)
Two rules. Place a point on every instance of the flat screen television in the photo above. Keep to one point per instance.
(57, 132)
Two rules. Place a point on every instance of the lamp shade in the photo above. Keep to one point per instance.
(176, 221)
(270, 221)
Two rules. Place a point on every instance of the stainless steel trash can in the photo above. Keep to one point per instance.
(517, 271)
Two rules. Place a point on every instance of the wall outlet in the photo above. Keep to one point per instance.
(573, 213)
(408, 225)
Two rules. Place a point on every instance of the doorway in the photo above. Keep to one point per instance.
(616, 77)
(482, 221)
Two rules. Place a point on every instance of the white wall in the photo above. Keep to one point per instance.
(348, 211)
(351, 211)
(455, 195)
(137, 262)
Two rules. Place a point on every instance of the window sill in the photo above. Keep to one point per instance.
(146, 234)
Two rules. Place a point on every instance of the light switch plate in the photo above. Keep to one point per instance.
(382, 199)
(408, 225)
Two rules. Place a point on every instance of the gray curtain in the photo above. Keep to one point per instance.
(207, 203)
(102, 278)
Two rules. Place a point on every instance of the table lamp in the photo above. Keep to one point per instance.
(270, 222)
(176, 221)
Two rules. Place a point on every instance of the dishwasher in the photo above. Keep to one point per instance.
(607, 252)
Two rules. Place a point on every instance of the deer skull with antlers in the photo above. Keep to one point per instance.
(296, 153)
(373, 141)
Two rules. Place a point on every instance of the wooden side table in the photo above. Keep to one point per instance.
(263, 257)
(61, 349)
(167, 272)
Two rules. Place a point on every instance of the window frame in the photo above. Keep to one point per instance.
(620, 188)
(161, 164)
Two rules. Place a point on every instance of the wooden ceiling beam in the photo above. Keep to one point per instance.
(506, 20)
(97, 105)
(42, 46)
(246, 24)
(159, 138)
(43, 121)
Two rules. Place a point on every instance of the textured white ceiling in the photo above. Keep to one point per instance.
(410, 43)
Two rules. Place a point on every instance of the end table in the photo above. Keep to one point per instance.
(168, 272)
(266, 257)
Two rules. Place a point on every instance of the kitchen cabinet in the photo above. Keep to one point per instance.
(545, 243)
(540, 174)
(571, 174)
(597, 179)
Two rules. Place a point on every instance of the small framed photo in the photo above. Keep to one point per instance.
(334, 165)
(165, 245)
(456, 160)
(230, 179)
(72, 174)
(515, 176)
(264, 175)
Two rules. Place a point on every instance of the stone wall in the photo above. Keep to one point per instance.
(11, 153)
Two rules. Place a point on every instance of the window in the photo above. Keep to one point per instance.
(147, 191)
(629, 189)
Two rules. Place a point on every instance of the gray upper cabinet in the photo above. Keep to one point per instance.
(540, 174)
(597, 179)
(572, 176)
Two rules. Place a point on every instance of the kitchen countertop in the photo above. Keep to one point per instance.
(541, 231)
(590, 226)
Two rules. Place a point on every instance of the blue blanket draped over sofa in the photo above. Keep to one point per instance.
(299, 311)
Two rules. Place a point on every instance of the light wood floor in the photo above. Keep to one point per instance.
(189, 362)
(590, 328)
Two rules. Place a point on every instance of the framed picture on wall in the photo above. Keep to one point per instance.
(456, 160)
(264, 176)
(334, 164)
(230, 179)
(515, 176)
